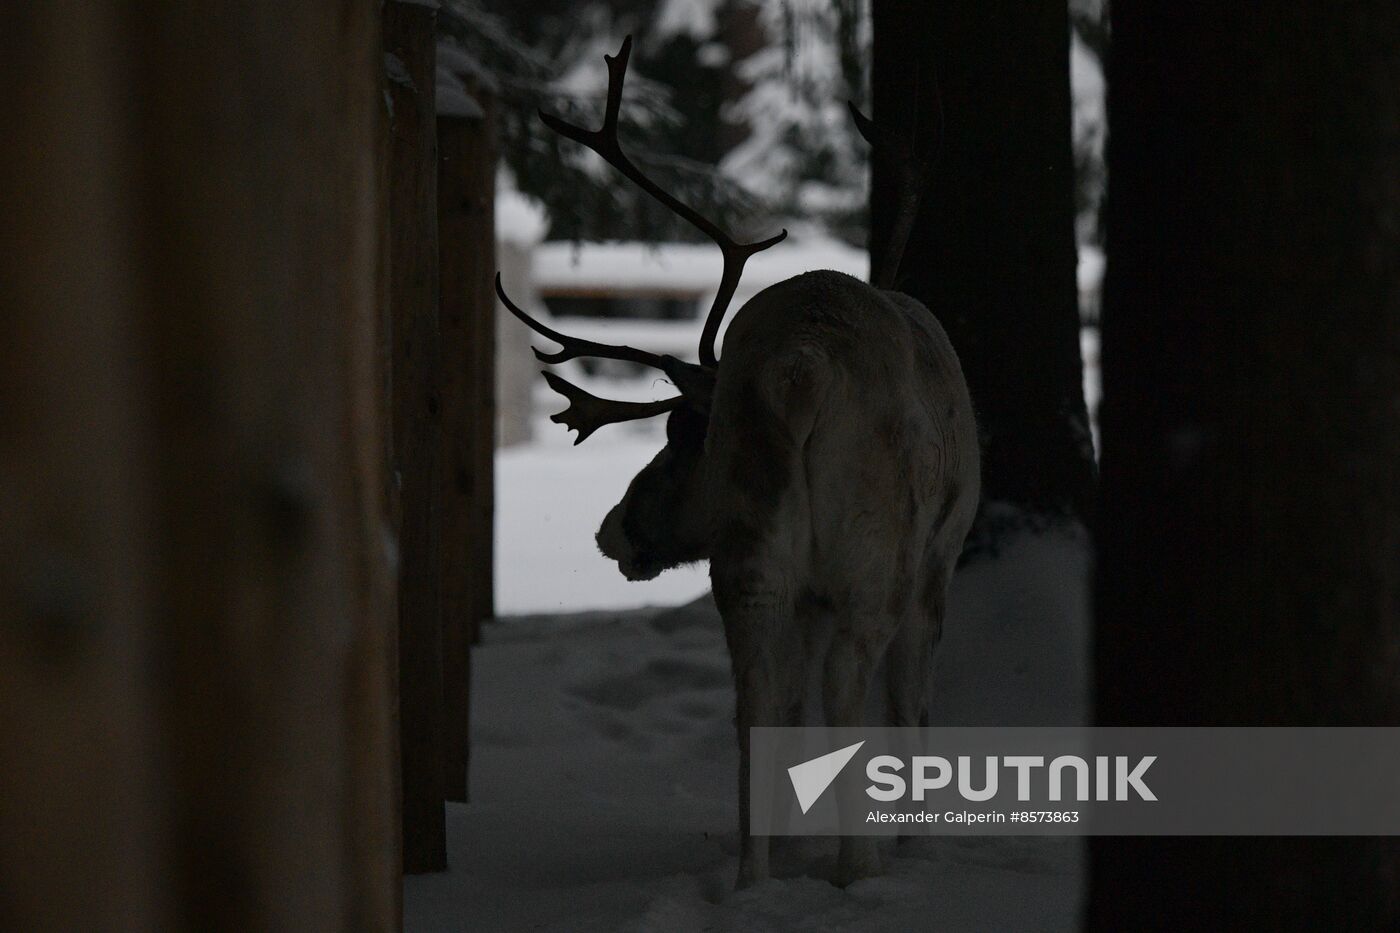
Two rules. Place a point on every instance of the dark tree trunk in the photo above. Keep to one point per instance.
(1250, 544)
(992, 252)
(410, 47)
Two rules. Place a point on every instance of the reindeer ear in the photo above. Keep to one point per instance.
(697, 383)
(686, 427)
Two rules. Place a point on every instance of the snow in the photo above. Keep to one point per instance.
(452, 99)
(644, 101)
(1089, 125)
(460, 62)
(1086, 77)
(1093, 378)
(1090, 269)
(520, 219)
(604, 762)
(799, 132)
(713, 55)
(693, 18)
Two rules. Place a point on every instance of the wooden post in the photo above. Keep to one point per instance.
(196, 722)
(375, 856)
(410, 54)
(79, 827)
(483, 538)
(383, 362)
(466, 230)
(256, 258)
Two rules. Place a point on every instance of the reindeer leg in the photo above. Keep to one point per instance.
(909, 661)
(758, 705)
(862, 635)
(758, 626)
(909, 665)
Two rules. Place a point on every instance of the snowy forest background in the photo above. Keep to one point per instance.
(736, 104)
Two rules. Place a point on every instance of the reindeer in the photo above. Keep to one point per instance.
(827, 467)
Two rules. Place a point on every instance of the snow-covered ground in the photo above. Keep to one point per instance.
(603, 759)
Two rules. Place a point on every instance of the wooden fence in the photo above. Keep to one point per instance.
(245, 478)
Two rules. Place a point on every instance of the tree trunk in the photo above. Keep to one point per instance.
(1250, 548)
(410, 51)
(992, 251)
(466, 222)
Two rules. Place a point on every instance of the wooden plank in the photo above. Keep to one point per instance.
(466, 229)
(484, 449)
(373, 808)
(411, 55)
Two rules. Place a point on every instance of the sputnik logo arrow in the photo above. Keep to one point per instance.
(811, 778)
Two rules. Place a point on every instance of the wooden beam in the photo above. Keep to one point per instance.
(466, 229)
(410, 54)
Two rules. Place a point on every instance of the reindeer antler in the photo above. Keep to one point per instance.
(586, 413)
(605, 143)
(575, 347)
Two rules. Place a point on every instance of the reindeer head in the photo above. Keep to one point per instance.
(657, 524)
